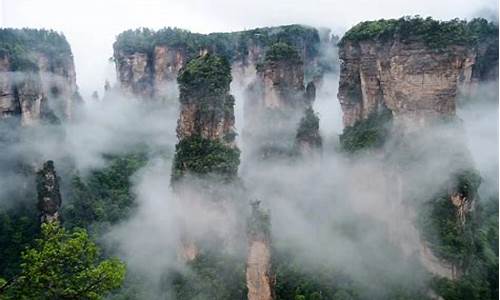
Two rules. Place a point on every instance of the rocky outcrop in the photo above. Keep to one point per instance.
(414, 70)
(308, 139)
(260, 280)
(147, 62)
(49, 197)
(416, 76)
(134, 73)
(414, 82)
(207, 108)
(276, 102)
(37, 76)
(206, 159)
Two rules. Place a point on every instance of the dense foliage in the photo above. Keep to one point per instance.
(104, 196)
(282, 52)
(64, 265)
(213, 274)
(472, 247)
(207, 76)
(93, 202)
(368, 133)
(19, 225)
(233, 45)
(448, 238)
(19, 45)
(200, 156)
(434, 33)
(299, 281)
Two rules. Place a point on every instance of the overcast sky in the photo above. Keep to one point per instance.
(91, 25)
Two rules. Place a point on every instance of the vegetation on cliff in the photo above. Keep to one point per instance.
(308, 130)
(21, 45)
(200, 156)
(232, 45)
(434, 33)
(282, 52)
(368, 133)
(207, 76)
(471, 247)
(448, 238)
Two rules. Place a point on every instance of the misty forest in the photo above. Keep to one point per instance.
(276, 163)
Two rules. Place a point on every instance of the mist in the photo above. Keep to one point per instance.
(333, 210)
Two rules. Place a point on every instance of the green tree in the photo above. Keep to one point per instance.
(63, 265)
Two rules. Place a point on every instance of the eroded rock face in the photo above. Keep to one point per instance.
(148, 72)
(260, 281)
(47, 91)
(167, 63)
(49, 197)
(8, 103)
(418, 80)
(415, 82)
(207, 108)
(276, 102)
(206, 160)
(134, 73)
(258, 271)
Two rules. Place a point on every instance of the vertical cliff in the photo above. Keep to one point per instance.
(206, 122)
(49, 197)
(414, 67)
(260, 280)
(37, 76)
(206, 157)
(147, 62)
(400, 81)
(275, 104)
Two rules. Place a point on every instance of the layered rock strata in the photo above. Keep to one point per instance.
(37, 76)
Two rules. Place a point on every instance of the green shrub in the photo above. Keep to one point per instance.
(202, 156)
(368, 133)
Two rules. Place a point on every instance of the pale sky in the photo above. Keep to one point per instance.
(92, 25)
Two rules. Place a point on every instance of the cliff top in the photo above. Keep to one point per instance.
(19, 44)
(434, 33)
(229, 44)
